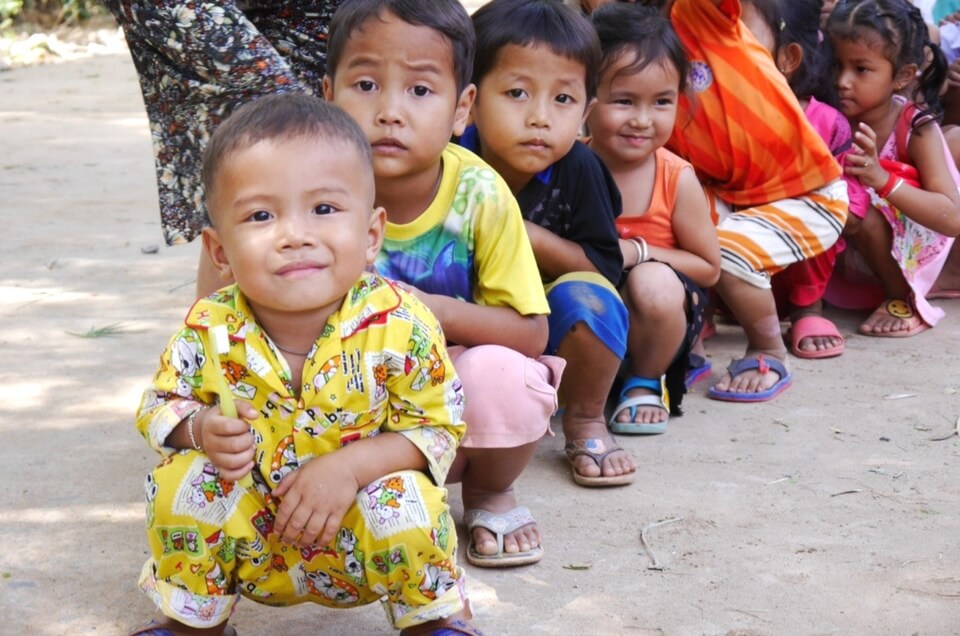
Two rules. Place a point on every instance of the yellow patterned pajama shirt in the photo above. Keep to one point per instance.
(379, 366)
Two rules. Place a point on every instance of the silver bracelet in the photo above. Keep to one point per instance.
(896, 186)
(641, 244)
(190, 421)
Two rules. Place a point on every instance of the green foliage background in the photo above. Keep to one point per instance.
(51, 12)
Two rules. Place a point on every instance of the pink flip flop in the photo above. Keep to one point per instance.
(810, 326)
(898, 309)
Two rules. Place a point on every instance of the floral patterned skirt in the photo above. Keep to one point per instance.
(197, 61)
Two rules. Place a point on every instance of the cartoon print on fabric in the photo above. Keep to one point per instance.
(187, 358)
(204, 496)
(352, 557)
(440, 535)
(437, 579)
(284, 460)
(336, 590)
(393, 504)
(387, 561)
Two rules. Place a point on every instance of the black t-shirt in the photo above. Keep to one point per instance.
(577, 199)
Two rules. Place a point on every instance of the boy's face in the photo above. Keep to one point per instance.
(635, 111)
(292, 224)
(529, 110)
(397, 81)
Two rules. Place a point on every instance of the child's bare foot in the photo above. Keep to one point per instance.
(893, 319)
(642, 414)
(812, 335)
(489, 513)
(758, 376)
(596, 457)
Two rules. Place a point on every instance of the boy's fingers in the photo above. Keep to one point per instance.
(330, 529)
(236, 474)
(314, 526)
(246, 411)
(295, 526)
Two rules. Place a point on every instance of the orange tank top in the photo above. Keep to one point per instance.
(655, 225)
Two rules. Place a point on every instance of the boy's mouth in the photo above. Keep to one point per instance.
(537, 145)
(387, 145)
(299, 267)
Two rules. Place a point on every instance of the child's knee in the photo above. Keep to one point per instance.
(654, 288)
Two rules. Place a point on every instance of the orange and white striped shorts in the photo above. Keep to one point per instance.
(758, 242)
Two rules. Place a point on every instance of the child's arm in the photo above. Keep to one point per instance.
(168, 410)
(470, 324)
(935, 205)
(586, 238)
(698, 254)
(556, 255)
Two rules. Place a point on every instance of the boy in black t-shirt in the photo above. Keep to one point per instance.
(535, 70)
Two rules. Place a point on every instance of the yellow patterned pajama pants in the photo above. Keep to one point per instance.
(212, 542)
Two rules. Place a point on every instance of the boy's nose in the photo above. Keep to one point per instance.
(537, 116)
(389, 111)
(295, 232)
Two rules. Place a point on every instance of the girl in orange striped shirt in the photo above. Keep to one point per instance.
(776, 188)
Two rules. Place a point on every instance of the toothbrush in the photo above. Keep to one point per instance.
(227, 406)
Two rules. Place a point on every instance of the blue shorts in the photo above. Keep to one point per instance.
(589, 298)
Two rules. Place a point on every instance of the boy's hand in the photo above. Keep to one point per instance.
(434, 302)
(314, 499)
(227, 441)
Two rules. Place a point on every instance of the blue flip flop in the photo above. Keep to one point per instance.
(661, 400)
(762, 364)
(699, 369)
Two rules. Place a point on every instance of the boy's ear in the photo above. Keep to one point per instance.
(327, 88)
(789, 58)
(378, 220)
(214, 249)
(905, 76)
(586, 111)
(464, 108)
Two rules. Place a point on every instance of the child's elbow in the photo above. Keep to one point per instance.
(537, 334)
(713, 275)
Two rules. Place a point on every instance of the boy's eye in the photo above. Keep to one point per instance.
(324, 208)
(421, 90)
(516, 93)
(623, 101)
(563, 98)
(664, 101)
(260, 216)
(365, 85)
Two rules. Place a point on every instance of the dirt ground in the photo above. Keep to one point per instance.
(831, 510)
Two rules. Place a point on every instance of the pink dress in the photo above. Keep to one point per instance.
(919, 251)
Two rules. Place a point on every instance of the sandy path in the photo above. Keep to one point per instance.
(766, 544)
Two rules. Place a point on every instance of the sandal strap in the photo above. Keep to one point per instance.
(640, 382)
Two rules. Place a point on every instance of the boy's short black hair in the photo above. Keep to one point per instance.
(447, 17)
(282, 116)
(532, 22)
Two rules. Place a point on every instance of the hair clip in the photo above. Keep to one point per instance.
(783, 24)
